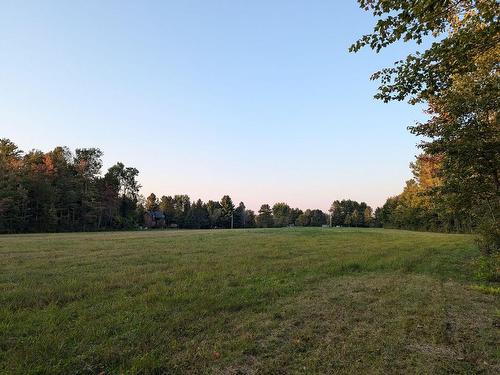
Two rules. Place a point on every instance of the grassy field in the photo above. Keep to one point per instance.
(285, 300)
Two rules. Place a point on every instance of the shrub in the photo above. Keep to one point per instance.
(488, 268)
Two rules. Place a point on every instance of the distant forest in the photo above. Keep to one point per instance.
(61, 190)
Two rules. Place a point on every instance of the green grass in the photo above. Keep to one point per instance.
(281, 301)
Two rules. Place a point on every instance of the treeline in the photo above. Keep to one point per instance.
(425, 205)
(178, 211)
(352, 214)
(62, 191)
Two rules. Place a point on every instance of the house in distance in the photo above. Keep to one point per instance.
(154, 219)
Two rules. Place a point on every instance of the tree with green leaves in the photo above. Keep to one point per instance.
(120, 195)
(13, 197)
(87, 164)
(337, 213)
(347, 220)
(457, 76)
(265, 217)
(281, 214)
(304, 219)
(294, 215)
(367, 216)
(467, 29)
(350, 213)
(318, 218)
(355, 218)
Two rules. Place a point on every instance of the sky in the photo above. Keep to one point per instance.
(260, 100)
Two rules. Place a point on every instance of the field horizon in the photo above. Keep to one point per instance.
(244, 301)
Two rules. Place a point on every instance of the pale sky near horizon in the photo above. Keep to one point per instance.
(256, 99)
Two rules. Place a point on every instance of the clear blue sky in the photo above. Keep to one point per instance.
(257, 99)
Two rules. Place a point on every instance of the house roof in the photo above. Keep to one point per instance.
(156, 214)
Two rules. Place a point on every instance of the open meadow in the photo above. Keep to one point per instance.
(289, 300)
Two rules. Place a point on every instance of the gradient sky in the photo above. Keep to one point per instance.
(257, 99)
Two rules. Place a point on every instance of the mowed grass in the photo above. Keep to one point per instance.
(281, 301)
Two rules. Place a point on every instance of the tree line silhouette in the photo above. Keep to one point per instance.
(61, 191)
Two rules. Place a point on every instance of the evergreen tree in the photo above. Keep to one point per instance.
(240, 219)
(152, 203)
(197, 216)
(250, 219)
(214, 209)
(227, 210)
